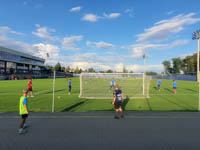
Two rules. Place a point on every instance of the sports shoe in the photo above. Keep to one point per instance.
(22, 131)
(115, 117)
(25, 126)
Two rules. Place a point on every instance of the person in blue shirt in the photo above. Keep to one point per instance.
(70, 86)
(174, 86)
(112, 84)
(23, 111)
(159, 84)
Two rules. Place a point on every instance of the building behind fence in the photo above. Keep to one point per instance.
(18, 65)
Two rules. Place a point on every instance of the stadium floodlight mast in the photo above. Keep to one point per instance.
(54, 77)
(196, 36)
(53, 99)
(144, 57)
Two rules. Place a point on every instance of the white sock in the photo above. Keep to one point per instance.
(20, 129)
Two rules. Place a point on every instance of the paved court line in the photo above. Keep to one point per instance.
(102, 117)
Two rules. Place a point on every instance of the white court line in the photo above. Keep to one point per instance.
(38, 93)
(35, 93)
(63, 94)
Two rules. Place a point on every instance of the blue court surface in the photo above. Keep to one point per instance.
(100, 131)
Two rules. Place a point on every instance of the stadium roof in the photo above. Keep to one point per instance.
(20, 53)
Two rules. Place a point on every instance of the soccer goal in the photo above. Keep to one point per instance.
(99, 85)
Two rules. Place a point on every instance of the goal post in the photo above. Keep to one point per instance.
(98, 85)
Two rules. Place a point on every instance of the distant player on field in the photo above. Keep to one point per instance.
(23, 111)
(174, 86)
(70, 86)
(112, 84)
(30, 88)
(117, 101)
(159, 84)
(66, 78)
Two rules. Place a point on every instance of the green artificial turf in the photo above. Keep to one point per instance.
(186, 98)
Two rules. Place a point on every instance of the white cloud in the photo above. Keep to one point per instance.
(185, 55)
(89, 57)
(5, 29)
(38, 50)
(137, 68)
(116, 67)
(178, 43)
(37, 25)
(88, 43)
(43, 49)
(69, 42)
(75, 9)
(16, 45)
(100, 44)
(111, 15)
(162, 29)
(85, 65)
(170, 12)
(44, 32)
(94, 18)
(139, 49)
(91, 17)
(140, 68)
(129, 11)
(119, 67)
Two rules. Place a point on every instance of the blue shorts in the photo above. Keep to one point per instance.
(174, 87)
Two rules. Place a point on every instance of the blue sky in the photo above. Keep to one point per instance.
(103, 34)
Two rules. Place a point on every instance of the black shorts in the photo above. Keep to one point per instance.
(30, 89)
(70, 88)
(24, 116)
(118, 104)
(174, 87)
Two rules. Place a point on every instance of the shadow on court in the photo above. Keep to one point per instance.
(70, 108)
(187, 108)
(125, 102)
(155, 88)
(50, 92)
(191, 90)
(149, 105)
(168, 90)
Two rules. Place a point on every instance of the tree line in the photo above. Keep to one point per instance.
(187, 65)
(58, 67)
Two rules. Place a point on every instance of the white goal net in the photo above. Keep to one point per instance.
(100, 85)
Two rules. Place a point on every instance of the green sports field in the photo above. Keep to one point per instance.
(186, 98)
